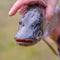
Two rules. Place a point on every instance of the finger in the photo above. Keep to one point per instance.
(50, 9)
(15, 8)
(20, 3)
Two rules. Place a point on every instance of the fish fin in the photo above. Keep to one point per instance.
(50, 46)
(52, 37)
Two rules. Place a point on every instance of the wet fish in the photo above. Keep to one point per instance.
(33, 27)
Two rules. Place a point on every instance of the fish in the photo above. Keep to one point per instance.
(33, 28)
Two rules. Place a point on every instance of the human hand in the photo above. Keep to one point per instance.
(19, 6)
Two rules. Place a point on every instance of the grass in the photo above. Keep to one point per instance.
(9, 50)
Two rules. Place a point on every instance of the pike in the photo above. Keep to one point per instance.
(33, 28)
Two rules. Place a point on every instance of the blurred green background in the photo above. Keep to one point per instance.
(9, 50)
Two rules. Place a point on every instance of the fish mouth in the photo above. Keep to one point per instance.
(25, 42)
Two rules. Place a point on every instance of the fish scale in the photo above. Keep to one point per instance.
(34, 16)
(33, 27)
(28, 31)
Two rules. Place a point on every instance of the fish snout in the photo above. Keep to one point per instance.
(25, 38)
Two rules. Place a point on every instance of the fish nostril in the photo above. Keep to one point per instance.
(21, 23)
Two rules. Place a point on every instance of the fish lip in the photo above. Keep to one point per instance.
(25, 40)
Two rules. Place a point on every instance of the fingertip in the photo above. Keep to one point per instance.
(14, 9)
(9, 13)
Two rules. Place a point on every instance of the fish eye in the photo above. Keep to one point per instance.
(21, 23)
(33, 25)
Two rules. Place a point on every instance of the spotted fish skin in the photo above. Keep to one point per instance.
(33, 27)
(30, 26)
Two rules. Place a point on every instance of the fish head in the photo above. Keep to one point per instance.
(30, 27)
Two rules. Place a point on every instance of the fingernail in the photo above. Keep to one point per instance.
(9, 13)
